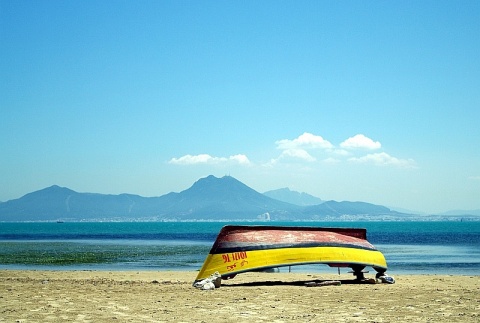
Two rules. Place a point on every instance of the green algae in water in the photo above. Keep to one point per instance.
(51, 253)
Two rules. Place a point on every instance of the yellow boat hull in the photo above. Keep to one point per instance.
(241, 249)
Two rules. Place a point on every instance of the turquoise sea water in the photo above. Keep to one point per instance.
(409, 247)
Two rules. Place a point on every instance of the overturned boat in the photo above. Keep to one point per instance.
(240, 249)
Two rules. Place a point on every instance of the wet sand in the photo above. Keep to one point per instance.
(162, 296)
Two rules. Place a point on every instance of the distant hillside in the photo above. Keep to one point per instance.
(333, 210)
(209, 198)
(406, 211)
(462, 212)
(297, 198)
(54, 202)
(224, 198)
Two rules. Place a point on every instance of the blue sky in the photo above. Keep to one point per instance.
(374, 101)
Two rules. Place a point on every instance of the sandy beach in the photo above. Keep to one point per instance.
(151, 296)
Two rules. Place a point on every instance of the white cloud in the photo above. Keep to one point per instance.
(307, 140)
(291, 156)
(384, 159)
(340, 152)
(360, 142)
(207, 159)
(303, 150)
(475, 178)
(241, 159)
(297, 154)
(189, 159)
(331, 160)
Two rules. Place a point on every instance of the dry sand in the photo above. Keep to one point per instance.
(101, 296)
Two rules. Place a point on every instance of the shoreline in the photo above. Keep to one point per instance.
(318, 270)
(164, 296)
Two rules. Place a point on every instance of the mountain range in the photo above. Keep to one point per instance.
(297, 198)
(208, 199)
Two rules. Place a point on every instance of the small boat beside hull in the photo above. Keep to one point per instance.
(240, 249)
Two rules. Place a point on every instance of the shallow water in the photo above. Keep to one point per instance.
(409, 247)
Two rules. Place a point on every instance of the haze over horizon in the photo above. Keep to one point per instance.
(374, 102)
